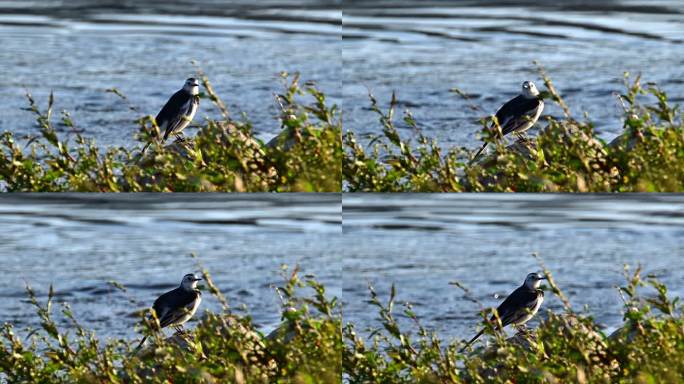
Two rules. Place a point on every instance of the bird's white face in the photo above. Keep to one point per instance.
(533, 280)
(191, 86)
(190, 281)
(529, 90)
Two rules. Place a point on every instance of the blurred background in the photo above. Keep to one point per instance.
(421, 243)
(144, 48)
(422, 49)
(80, 242)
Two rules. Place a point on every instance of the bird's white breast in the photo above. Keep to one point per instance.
(189, 312)
(533, 311)
(197, 302)
(191, 107)
(539, 110)
(531, 120)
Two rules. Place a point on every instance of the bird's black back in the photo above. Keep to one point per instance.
(522, 298)
(174, 104)
(517, 106)
(174, 299)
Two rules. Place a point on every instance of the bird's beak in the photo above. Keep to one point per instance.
(543, 278)
(198, 278)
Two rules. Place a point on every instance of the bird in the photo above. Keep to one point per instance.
(520, 113)
(176, 307)
(519, 307)
(179, 111)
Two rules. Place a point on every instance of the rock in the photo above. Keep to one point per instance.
(183, 342)
(568, 325)
(628, 139)
(568, 133)
(571, 326)
(526, 339)
(285, 331)
(628, 331)
(183, 148)
(286, 139)
(220, 132)
(252, 165)
(250, 344)
(524, 147)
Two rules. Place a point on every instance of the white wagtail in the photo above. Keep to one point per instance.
(176, 307)
(520, 113)
(179, 111)
(519, 307)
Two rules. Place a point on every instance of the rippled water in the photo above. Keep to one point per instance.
(81, 242)
(79, 49)
(422, 49)
(423, 242)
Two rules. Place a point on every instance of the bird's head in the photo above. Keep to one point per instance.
(190, 281)
(529, 90)
(533, 280)
(191, 86)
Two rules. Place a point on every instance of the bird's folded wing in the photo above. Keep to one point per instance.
(518, 314)
(161, 314)
(173, 125)
(169, 109)
(179, 119)
(171, 317)
(515, 123)
(516, 112)
(517, 305)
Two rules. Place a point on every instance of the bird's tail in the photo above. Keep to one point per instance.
(141, 343)
(472, 340)
(145, 148)
(167, 132)
(478, 152)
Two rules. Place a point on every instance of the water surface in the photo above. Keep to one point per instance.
(421, 243)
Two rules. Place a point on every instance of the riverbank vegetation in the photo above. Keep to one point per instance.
(223, 156)
(221, 347)
(568, 346)
(567, 155)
